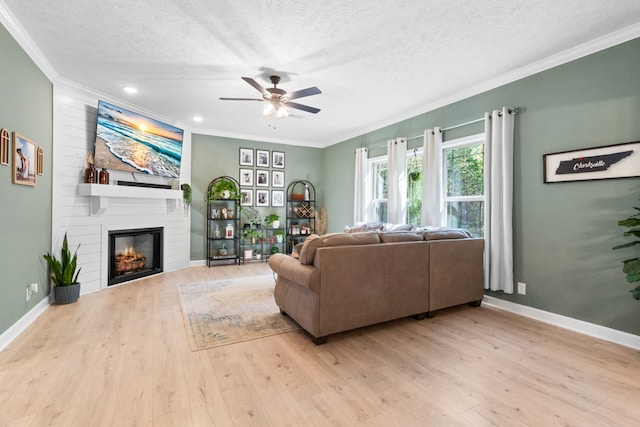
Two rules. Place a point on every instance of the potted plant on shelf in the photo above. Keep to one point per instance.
(64, 275)
(257, 253)
(223, 189)
(272, 220)
(279, 235)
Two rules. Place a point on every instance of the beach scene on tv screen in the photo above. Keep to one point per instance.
(131, 142)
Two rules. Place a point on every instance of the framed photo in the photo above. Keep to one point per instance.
(277, 179)
(262, 178)
(246, 177)
(606, 162)
(246, 197)
(262, 197)
(277, 198)
(24, 160)
(278, 159)
(248, 254)
(262, 158)
(246, 157)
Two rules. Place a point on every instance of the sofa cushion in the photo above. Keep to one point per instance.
(308, 251)
(400, 236)
(446, 233)
(313, 242)
(364, 226)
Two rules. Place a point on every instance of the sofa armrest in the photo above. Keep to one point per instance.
(307, 276)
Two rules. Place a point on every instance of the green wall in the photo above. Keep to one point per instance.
(25, 213)
(563, 232)
(214, 156)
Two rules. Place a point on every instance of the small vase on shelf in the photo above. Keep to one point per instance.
(104, 176)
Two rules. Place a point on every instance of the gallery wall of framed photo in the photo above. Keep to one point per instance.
(262, 177)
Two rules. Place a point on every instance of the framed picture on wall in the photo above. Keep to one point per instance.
(278, 159)
(277, 198)
(262, 178)
(607, 162)
(246, 197)
(246, 177)
(24, 160)
(246, 157)
(277, 179)
(262, 158)
(262, 197)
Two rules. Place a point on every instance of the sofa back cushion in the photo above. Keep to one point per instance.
(400, 236)
(446, 233)
(314, 242)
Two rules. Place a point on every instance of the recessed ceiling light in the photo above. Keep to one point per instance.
(130, 89)
(197, 119)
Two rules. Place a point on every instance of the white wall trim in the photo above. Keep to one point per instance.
(25, 321)
(612, 335)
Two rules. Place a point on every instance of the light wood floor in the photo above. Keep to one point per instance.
(120, 357)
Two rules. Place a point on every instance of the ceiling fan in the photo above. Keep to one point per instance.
(277, 100)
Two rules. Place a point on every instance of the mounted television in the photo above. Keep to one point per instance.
(130, 142)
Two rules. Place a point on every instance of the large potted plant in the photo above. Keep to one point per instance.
(64, 274)
(223, 189)
(631, 266)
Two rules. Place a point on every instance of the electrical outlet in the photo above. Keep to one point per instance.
(522, 288)
(33, 288)
(28, 294)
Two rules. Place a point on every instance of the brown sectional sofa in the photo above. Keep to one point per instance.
(344, 281)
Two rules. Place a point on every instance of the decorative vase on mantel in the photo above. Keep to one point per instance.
(90, 174)
(104, 176)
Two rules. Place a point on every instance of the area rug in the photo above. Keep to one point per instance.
(229, 311)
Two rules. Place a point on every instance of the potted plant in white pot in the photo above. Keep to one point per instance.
(272, 220)
(64, 275)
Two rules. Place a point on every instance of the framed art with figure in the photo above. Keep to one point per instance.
(24, 160)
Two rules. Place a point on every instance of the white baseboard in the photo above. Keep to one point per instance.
(198, 263)
(17, 328)
(597, 331)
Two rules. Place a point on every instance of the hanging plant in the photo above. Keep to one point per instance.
(186, 196)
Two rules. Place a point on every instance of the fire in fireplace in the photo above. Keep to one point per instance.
(134, 254)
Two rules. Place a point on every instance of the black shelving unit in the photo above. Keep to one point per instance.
(223, 225)
(301, 212)
(265, 241)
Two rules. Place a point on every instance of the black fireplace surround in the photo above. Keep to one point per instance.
(134, 254)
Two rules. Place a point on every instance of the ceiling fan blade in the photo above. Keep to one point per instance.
(306, 108)
(241, 99)
(304, 92)
(256, 85)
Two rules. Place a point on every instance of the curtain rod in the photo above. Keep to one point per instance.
(470, 122)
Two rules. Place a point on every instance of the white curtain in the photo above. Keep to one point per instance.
(498, 267)
(361, 187)
(432, 185)
(397, 180)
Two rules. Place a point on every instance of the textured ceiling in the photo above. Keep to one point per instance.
(376, 61)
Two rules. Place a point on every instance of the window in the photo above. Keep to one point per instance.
(464, 195)
(414, 186)
(380, 186)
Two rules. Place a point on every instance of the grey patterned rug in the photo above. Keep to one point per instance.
(229, 311)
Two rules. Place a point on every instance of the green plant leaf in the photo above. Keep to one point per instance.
(636, 292)
(629, 222)
(627, 245)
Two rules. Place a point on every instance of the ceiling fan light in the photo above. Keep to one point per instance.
(282, 111)
(268, 109)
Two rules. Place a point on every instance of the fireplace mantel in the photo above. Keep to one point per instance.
(101, 193)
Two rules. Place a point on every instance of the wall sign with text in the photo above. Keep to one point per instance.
(611, 161)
